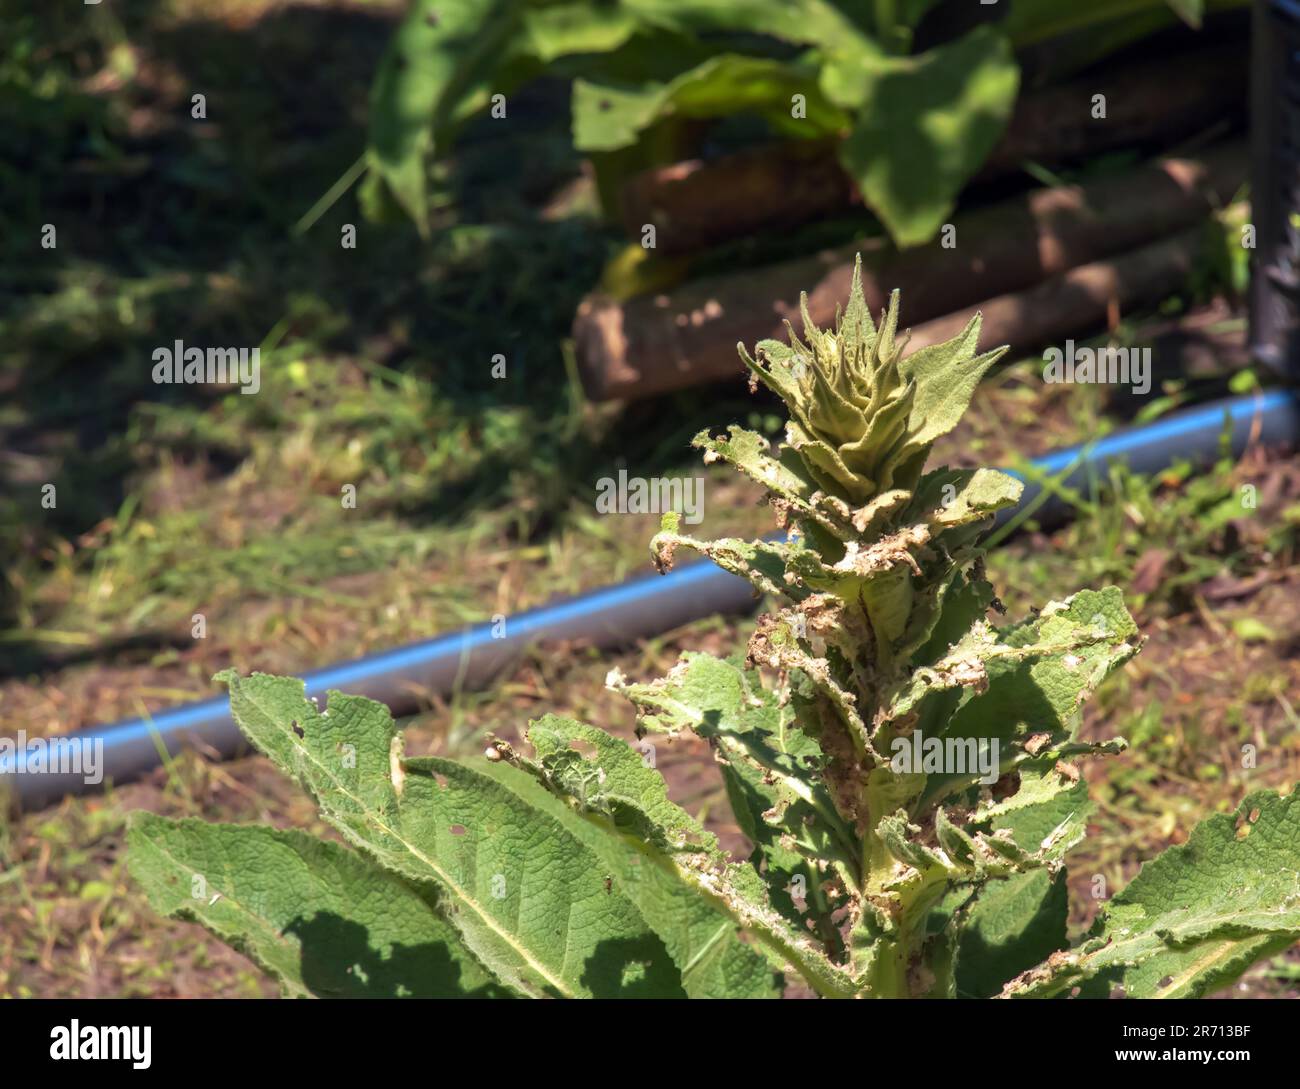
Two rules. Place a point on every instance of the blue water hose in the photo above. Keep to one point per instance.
(610, 616)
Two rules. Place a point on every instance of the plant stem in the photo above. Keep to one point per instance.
(887, 25)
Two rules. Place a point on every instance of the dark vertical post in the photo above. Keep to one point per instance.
(1275, 185)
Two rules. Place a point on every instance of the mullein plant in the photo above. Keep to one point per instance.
(905, 767)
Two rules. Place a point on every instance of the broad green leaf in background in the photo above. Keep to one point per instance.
(804, 22)
(319, 917)
(1031, 21)
(558, 30)
(607, 116)
(924, 125)
(437, 71)
(448, 57)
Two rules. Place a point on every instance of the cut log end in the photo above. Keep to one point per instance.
(601, 348)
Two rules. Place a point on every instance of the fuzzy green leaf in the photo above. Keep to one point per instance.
(956, 497)
(946, 376)
(613, 779)
(924, 125)
(527, 897)
(1038, 675)
(1049, 813)
(608, 116)
(444, 62)
(728, 706)
(1197, 916)
(772, 773)
(561, 29)
(322, 919)
(610, 784)
(810, 22)
(1013, 924)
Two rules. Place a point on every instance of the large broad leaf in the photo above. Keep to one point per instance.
(808, 22)
(532, 902)
(703, 942)
(445, 61)
(611, 783)
(924, 125)
(608, 115)
(1029, 22)
(1196, 917)
(320, 918)
(449, 56)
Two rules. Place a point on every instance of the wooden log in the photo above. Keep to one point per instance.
(694, 204)
(654, 344)
(1080, 300)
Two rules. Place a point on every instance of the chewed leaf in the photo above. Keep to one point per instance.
(785, 478)
(726, 704)
(525, 895)
(616, 781)
(1048, 813)
(954, 497)
(771, 767)
(610, 782)
(1038, 676)
(765, 564)
(1195, 917)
